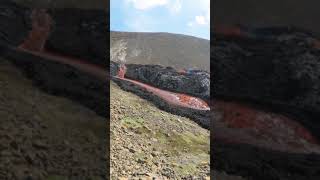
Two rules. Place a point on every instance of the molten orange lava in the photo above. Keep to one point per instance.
(122, 71)
(243, 116)
(41, 25)
(192, 101)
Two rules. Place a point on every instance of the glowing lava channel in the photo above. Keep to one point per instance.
(177, 99)
(241, 123)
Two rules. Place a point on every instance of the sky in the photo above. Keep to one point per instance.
(189, 17)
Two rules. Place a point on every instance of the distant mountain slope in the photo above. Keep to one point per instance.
(178, 51)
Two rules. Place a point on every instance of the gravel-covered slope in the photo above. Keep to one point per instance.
(178, 51)
(148, 142)
(44, 136)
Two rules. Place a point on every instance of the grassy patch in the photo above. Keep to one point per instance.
(132, 122)
(185, 142)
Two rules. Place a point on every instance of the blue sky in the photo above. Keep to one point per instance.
(190, 17)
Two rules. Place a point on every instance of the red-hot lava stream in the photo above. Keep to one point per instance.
(240, 123)
(35, 44)
(176, 99)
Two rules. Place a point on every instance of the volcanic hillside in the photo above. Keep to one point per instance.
(178, 51)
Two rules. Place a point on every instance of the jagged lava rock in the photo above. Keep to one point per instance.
(196, 83)
(81, 33)
(14, 23)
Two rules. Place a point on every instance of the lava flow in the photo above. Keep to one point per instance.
(240, 123)
(35, 43)
(234, 122)
(176, 99)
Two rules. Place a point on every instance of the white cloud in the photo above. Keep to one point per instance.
(201, 20)
(190, 24)
(147, 4)
(175, 6)
(203, 14)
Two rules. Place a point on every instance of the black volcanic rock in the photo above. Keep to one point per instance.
(75, 32)
(268, 13)
(114, 68)
(279, 69)
(14, 23)
(282, 72)
(201, 117)
(62, 80)
(81, 33)
(195, 83)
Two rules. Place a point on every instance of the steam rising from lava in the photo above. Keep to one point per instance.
(118, 52)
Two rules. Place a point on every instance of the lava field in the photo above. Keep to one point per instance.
(266, 102)
(157, 88)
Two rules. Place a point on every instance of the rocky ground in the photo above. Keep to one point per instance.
(147, 142)
(45, 136)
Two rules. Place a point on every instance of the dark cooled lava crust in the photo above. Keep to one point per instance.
(172, 80)
(276, 70)
(283, 73)
(199, 116)
(195, 83)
